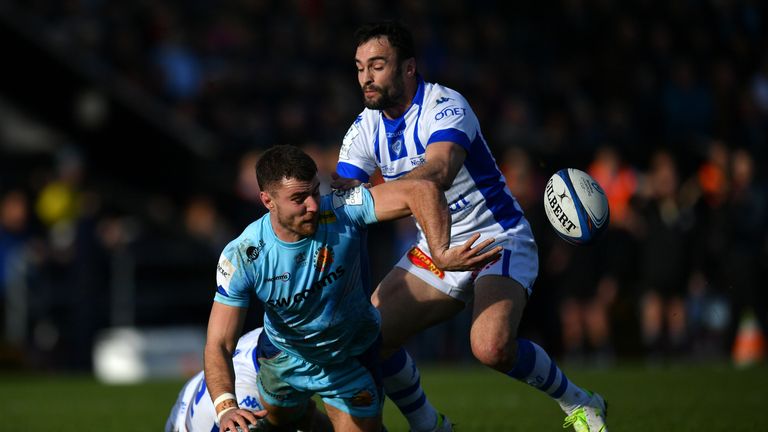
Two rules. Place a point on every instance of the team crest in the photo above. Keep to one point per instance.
(323, 258)
(397, 146)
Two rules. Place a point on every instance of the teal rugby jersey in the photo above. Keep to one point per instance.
(315, 293)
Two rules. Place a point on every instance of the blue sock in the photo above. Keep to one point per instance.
(402, 384)
(535, 368)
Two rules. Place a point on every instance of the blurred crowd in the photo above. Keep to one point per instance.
(664, 103)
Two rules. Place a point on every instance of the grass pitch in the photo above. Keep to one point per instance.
(677, 398)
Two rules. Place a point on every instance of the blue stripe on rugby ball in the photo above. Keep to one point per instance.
(586, 225)
(591, 217)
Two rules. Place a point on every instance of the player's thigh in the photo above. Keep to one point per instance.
(498, 308)
(408, 305)
(343, 421)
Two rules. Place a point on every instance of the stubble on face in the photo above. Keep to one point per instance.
(287, 214)
(388, 95)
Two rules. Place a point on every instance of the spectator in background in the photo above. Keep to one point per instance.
(663, 260)
(707, 191)
(746, 218)
(14, 233)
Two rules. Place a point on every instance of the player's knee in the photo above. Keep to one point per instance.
(493, 352)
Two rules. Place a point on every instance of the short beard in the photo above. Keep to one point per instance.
(390, 96)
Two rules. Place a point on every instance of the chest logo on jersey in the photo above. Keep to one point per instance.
(285, 277)
(300, 258)
(323, 258)
(422, 260)
(315, 288)
(442, 100)
(450, 112)
(253, 252)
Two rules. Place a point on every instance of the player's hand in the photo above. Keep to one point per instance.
(464, 257)
(342, 183)
(240, 418)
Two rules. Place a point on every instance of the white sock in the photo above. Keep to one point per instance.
(535, 368)
(402, 384)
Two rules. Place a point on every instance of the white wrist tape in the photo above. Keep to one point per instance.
(223, 397)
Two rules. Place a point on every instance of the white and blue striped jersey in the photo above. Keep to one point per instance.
(315, 291)
(479, 197)
(194, 411)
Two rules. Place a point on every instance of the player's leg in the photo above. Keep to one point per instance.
(499, 304)
(352, 393)
(501, 293)
(287, 419)
(409, 305)
(343, 421)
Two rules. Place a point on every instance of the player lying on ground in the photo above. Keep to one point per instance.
(306, 260)
(194, 411)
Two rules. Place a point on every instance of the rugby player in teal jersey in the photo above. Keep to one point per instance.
(306, 260)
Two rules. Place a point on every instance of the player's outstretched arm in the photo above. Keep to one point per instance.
(442, 162)
(224, 327)
(426, 202)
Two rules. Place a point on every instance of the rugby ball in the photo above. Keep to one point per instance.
(576, 206)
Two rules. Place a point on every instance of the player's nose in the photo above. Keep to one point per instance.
(312, 203)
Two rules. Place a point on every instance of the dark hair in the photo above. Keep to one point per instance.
(398, 35)
(284, 161)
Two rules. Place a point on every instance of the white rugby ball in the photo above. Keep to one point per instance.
(576, 206)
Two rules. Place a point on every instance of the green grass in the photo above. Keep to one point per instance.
(679, 398)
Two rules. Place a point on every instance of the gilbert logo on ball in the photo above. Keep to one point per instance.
(576, 206)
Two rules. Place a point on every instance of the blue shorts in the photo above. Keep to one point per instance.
(353, 386)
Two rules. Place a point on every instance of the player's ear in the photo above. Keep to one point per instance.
(410, 67)
(266, 199)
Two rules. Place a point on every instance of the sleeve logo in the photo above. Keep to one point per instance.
(348, 197)
(224, 271)
(349, 138)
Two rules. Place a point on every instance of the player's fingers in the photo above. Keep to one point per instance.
(242, 423)
(489, 256)
(468, 244)
(251, 416)
(480, 247)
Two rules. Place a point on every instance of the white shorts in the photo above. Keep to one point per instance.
(519, 261)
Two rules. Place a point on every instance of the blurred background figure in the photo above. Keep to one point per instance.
(663, 239)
